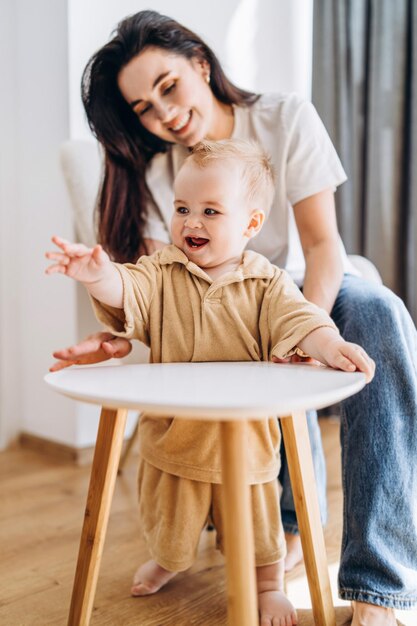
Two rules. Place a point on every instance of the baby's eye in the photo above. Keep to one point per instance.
(210, 212)
(182, 210)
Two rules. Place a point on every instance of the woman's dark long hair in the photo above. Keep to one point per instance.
(128, 146)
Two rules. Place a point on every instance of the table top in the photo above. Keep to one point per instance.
(226, 390)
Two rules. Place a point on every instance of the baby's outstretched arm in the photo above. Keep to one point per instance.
(91, 267)
(328, 347)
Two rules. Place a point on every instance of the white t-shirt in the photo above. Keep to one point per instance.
(290, 131)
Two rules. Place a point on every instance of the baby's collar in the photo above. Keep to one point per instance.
(253, 265)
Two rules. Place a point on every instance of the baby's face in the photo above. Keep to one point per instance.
(212, 217)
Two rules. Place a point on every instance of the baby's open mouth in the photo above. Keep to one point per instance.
(196, 242)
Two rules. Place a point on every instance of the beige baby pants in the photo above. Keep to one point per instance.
(174, 511)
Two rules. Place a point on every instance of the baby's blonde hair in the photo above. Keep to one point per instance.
(257, 169)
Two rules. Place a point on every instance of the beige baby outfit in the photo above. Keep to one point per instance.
(183, 315)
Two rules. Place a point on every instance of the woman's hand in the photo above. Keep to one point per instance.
(94, 349)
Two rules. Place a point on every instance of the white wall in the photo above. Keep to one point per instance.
(264, 45)
(268, 46)
(36, 315)
(10, 402)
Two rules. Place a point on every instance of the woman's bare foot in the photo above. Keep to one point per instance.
(365, 614)
(149, 578)
(294, 551)
(274, 607)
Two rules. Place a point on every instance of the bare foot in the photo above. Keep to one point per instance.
(294, 551)
(274, 607)
(149, 578)
(365, 614)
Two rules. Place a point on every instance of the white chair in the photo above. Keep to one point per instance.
(81, 163)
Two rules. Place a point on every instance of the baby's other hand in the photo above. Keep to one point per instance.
(77, 261)
(349, 357)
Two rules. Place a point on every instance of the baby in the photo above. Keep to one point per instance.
(204, 298)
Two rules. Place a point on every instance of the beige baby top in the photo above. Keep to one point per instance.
(176, 309)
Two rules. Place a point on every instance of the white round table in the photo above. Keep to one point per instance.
(232, 393)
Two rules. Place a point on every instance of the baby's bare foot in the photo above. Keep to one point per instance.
(149, 578)
(275, 609)
(365, 614)
(294, 551)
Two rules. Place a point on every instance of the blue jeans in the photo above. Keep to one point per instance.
(379, 451)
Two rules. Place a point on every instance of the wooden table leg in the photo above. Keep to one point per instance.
(300, 465)
(238, 527)
(100, 492)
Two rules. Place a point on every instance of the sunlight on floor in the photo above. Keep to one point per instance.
(297, 589)
(408, 618)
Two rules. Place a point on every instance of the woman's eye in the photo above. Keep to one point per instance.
(168, 89)
(145, 110)
(210, 212)
(182, 210)
(165, 92)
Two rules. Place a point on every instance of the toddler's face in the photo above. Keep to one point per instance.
(212, 217)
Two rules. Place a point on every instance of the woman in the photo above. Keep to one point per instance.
(151, 93)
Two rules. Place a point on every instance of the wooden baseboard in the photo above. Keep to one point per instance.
(54, 449)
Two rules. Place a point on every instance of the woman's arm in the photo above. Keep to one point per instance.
(315, 217)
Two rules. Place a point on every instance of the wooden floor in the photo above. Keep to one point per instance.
(41, 511)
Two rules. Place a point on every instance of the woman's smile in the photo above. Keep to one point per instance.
(182, 123)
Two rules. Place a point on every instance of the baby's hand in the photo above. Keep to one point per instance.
(349, 357)
(86, 265)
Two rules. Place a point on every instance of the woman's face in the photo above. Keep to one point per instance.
(171, 96)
